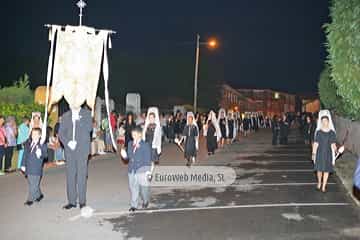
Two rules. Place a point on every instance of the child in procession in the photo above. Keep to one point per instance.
(32, 165)
(140, 167)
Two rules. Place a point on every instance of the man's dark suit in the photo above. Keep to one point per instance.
(77, 159)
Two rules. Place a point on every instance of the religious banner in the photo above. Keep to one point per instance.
(77, 65)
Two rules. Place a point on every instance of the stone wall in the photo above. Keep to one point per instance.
(348, 131)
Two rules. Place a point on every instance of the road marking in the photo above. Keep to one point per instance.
(275, 170)
(267, 162)
(267, 155)
(279, 184)
(120, 213)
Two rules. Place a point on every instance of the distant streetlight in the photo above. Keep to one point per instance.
(211, 44)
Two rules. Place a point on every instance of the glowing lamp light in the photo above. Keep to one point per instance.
(212, 43)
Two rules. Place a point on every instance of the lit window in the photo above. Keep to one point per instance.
(277, 95)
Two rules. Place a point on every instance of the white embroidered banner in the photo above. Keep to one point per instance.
(80, 55)
(77, 65)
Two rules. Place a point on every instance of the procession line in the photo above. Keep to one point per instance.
(167, 210)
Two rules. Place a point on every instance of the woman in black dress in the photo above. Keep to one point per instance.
(177, 124)
(170, 129)
(275, 126)
(284, 130)
(246, 125)
(190, 135)
(212, 133)
(129, 126)
(152, 133)
(231, 126)
(324, 149)
(224, 128)
(308, 131)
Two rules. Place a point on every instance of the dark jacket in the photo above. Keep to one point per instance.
(140, 159)
(33, 164)
(83, 132)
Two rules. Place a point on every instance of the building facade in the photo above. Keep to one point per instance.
(270, 102)
(265, 101)
(232, 99)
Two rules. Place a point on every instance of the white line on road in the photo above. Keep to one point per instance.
(279, 184)
(267, 155)
(267, 162)
(276, 170)
(120, 213)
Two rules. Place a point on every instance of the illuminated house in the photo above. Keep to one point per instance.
(270, 102)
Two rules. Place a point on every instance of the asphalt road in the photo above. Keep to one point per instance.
(273, 197)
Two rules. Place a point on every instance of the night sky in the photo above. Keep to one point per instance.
(277, 44)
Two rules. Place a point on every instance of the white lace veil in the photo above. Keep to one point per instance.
(156, 144)
(324, 113)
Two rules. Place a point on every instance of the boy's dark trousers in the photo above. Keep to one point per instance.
(34, 187)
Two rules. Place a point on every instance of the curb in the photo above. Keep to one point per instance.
(343, 175)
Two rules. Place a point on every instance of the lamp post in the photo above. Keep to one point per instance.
(196, 71)
(211, 44)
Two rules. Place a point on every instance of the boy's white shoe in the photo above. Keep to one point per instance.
(2, 173)
(101, 153)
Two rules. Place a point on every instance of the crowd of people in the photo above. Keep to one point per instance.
(139, 140)
(219, 129)
(131, 132)
(13, 138)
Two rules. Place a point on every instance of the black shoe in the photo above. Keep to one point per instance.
(40, 198)
(69, 206)
(82, 205)
(132, 209)
(145, 205)
(28, 203)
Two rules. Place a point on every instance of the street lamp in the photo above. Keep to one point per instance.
(212, 43)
